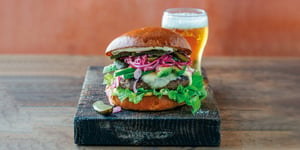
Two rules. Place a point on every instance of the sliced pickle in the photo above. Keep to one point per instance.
(124, 54)
(181, 57)
(150, 59)
(153, 52)
(102, 108)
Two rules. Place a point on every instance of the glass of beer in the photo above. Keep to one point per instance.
(191, 23)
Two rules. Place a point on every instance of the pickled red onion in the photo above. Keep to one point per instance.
(137, 74)
(141, 62)
(116, 82)
(117, 109)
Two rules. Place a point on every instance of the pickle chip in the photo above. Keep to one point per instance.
(102, 108)
(181, 57)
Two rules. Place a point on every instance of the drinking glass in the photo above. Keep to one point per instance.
(191, 23)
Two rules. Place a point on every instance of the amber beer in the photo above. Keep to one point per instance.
(193, 25)
(197, 38)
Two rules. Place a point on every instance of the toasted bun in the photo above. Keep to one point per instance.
(149, 103)
(148, 37)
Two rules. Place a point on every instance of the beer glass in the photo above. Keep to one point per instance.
(191, 23)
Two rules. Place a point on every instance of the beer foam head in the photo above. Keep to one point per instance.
(184, 20)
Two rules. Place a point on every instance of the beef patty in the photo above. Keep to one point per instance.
(172, 85)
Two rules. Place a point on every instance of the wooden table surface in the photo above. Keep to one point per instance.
(259, 101)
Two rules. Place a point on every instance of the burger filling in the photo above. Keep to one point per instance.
(135, 75)
(155, 83)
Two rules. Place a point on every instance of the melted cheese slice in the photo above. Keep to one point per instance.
(157, 82)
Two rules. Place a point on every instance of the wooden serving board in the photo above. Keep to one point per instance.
(171, 127)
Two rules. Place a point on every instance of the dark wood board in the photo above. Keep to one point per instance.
(172, 127)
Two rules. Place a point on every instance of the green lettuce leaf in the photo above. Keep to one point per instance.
(127, 93)
(180, 72)
(135, 98)
(157, 93)
(197, 80)
(172, 94)
(108, 79)
(195, 103)
(123, 93)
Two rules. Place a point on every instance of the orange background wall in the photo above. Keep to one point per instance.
(237, 27)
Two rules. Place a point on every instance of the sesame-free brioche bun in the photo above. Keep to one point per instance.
(141, 40)
(148, 37)
(149, 103)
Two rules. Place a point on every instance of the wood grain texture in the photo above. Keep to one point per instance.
(173, 127)
(258, 99)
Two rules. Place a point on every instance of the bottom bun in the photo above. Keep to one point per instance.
(149, 103)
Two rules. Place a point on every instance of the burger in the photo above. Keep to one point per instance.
(151, 71)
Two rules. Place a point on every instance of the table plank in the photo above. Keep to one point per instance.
(258, 100)
(260, 91)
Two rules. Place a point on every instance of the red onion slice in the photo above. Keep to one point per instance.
(141, 62)
(137, 74)
(116, 109)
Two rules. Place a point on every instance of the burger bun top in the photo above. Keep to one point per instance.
(148, 38)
